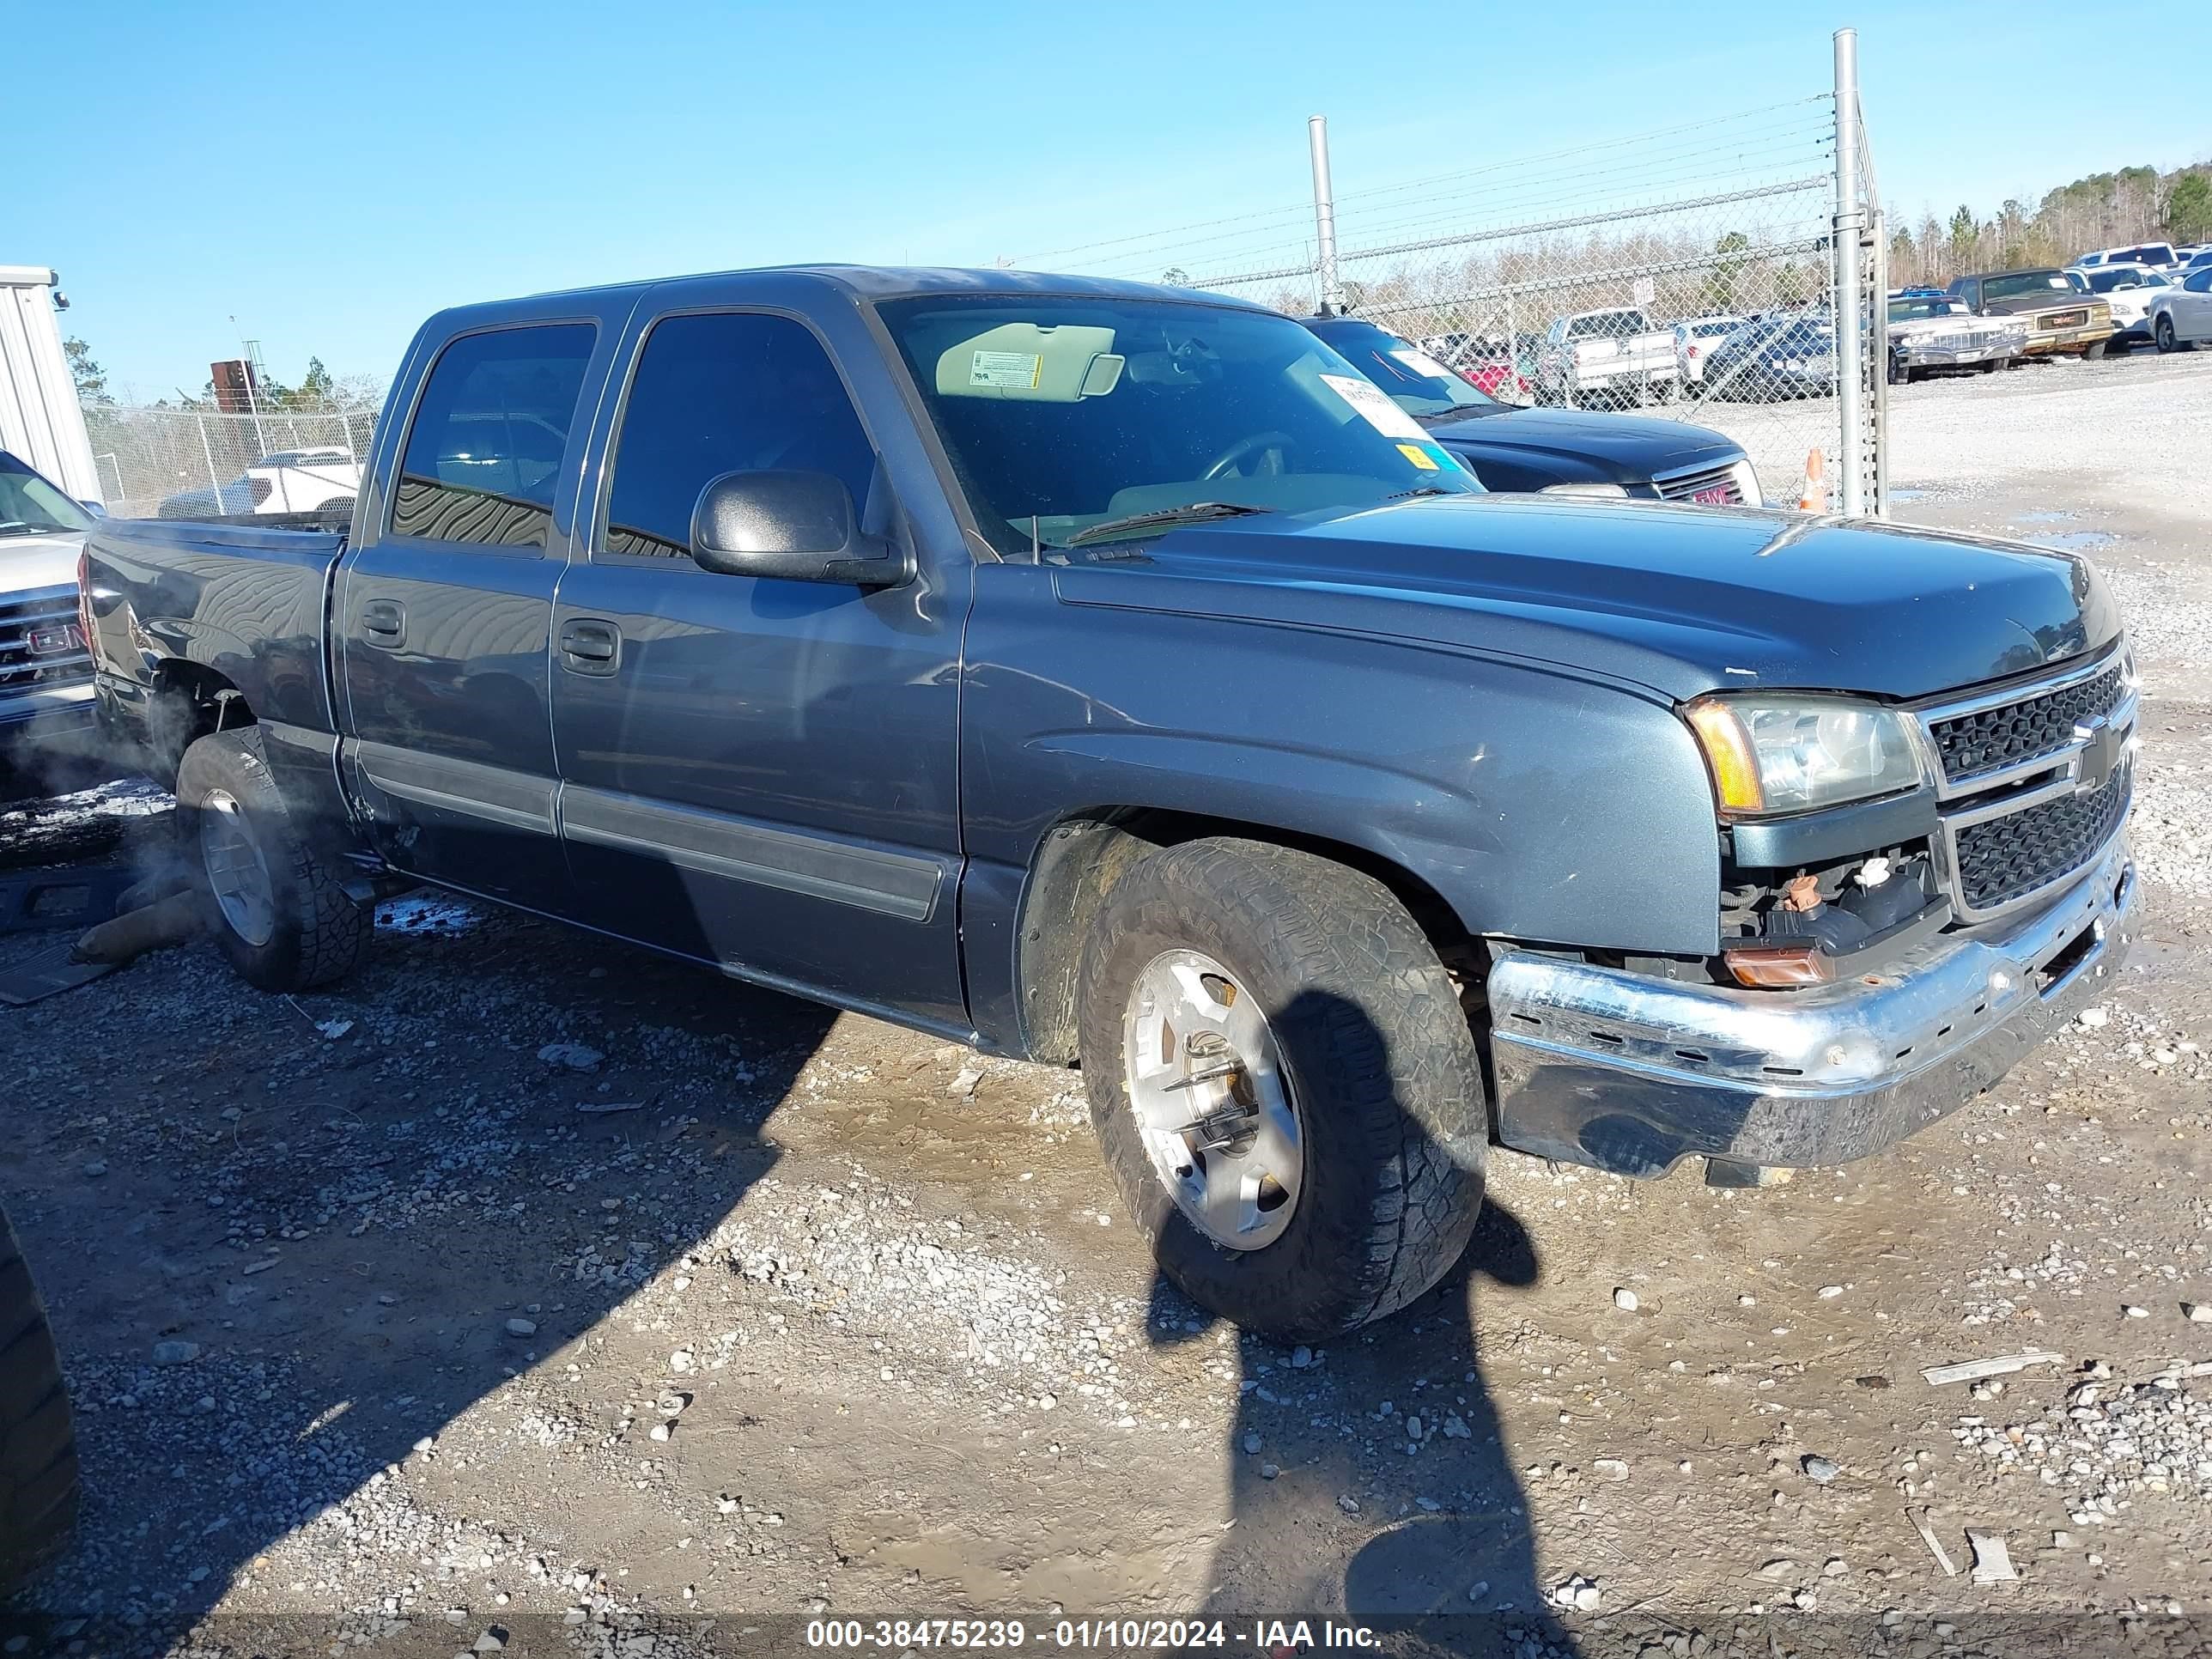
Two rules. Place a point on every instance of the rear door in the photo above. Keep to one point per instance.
(444, 614)
(758, 772)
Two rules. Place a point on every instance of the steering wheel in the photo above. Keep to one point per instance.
(1244, 447)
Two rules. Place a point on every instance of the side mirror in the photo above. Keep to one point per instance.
(799, 527)
(98, 509)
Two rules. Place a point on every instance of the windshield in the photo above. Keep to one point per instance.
(29, 505)
(2015, 283)
(1061, 414)
(1905, 310)
(1417, 382)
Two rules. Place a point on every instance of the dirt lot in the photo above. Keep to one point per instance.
(376, 1302)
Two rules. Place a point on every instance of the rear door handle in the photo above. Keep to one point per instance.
(384, 623)
(589, 645)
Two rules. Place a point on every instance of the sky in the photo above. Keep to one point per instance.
(330, 175)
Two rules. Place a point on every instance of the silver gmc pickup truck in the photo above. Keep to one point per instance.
(1112, 675)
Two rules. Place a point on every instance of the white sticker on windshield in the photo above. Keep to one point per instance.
(1374, 406)
(1421, 363)
(1022, 369)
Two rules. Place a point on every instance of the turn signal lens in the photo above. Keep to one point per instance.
(1728, 752)
(1777, 965)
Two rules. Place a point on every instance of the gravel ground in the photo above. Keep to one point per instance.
(516, 1292)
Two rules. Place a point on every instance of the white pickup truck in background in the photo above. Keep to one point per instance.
(1615, 354)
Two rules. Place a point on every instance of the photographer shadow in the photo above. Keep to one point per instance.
(1395, 1423)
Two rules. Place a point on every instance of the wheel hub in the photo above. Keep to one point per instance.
(1206, 1087)
(237, 874)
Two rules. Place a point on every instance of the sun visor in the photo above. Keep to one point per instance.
(1026, 363)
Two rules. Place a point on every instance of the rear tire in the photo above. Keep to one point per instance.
(277, 913)
(39, 1487)
(1366, 1030)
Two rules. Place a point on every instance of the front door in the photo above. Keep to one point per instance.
(444, 612)
(759, 773)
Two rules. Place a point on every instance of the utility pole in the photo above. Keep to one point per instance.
(1853, 339)
(1332, 291)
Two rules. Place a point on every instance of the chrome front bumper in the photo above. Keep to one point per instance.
(1627, 1072)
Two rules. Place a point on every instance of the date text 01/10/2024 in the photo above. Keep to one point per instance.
(1272, 1636)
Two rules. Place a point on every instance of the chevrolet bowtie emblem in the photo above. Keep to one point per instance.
(2103, 745)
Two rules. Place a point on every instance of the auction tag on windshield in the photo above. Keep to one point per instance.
(1373, 405)
(1417, 456)
(1421, 363)
(1021, 369)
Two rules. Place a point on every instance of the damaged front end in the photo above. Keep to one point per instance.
(1883, 959)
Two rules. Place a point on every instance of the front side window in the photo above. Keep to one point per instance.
(29, 505)
(725, 392)
(1068, 417)
(484, 454)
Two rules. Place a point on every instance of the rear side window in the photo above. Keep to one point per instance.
(484, 453)
(730, 391)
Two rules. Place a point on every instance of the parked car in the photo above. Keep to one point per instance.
(2181, 315)
(1931, 331)
(2127, 289)
(1613, 354)
(1556, 451)
(45, 673)
(1695, 340)
(321, 480)
(2191, 257)
(1094, 671)
(2157, 255)
(1789, 356)
(2061, 320)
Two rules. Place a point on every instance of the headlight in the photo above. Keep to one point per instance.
(1608, 490)
(1790, 754)
(1747, 482)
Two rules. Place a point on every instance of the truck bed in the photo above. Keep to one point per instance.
(246, 602)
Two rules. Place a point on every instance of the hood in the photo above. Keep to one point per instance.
(1635, 447)
(30, 562)
(2019, 304)
(1677, 598)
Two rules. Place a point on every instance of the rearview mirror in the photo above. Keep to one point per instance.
(797, 526)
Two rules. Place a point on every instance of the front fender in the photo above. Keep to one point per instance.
(1540, 804)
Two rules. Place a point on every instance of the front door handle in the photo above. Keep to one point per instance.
(385, 624)
(589, 645)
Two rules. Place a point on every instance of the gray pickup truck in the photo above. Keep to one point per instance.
(1097, 673)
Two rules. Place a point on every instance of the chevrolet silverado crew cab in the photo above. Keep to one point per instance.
(1107, 674)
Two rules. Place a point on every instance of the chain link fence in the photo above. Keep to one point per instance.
(1690, 272)
(182, 463)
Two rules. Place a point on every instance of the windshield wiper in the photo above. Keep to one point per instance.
(1164, 517)
(1424, 489)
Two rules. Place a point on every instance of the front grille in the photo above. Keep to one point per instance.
(1711, 485)
(2000, 859)
(1974, 745)
(22, 616)
(2063, 319)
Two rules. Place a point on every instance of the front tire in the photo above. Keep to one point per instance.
(2094, 351)
(278, 915)
(1331, 1169)
(39, 1488)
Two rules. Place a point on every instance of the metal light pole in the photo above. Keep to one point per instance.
(1331, 292)
(1851, 338)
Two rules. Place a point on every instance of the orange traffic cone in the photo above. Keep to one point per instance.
(1815, 497)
